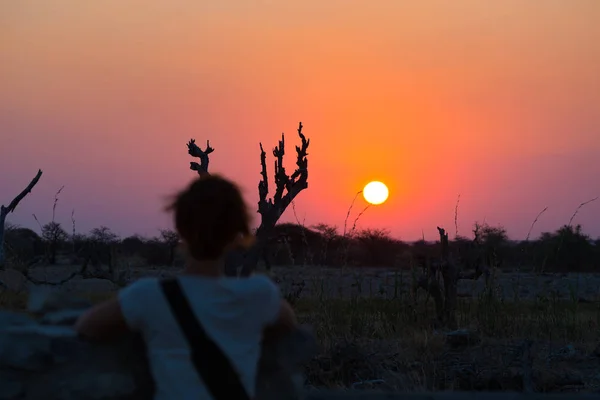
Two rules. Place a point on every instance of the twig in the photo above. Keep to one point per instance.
(534, 222)
(73, 225)
(57, 283)
(304, 238)
(350, 233)
(562, 237)
(38, 222)
(350, 210)
(579, 208)
(56, 201)
(357, 218)
(456, 217)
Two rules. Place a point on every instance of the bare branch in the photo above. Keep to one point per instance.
(263, 185)
(4, 211)
(31, 279)
(13, 204)
(195, 151)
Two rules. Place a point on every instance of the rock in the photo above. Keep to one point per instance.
(9, 318)
(462, 337)
(44, 300)
(63, 317)
(10, 387)
(13, 280)
(564, 353)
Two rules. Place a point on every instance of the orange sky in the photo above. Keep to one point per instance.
(496, 101)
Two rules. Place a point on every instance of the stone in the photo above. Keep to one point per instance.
(13, 280)
(10, 318)
(43, 300)
(462, 337)
(63, 317)
(10, 386)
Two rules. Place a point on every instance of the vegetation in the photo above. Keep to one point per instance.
(568, 249)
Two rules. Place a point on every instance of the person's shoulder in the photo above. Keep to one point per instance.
(145, 281)
(262, 284)
(262, 281)
(143, 284)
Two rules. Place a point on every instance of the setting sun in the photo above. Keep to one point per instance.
(375, 192)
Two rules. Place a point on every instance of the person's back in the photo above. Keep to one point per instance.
(234, 312)
(211, 218)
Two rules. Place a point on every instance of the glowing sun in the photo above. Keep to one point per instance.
(376, 192)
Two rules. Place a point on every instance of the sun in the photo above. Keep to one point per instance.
(375, 192)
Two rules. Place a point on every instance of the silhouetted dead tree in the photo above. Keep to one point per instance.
(287, 188)
(195, 151)
(11, 208)
(444, 293)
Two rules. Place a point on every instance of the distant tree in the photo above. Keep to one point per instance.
(103, 246)
(23, 244)
(132, 245)
(103, 235)
(171, 239)
(491, 242)
(379, 245)
(329, 235)
(54, 236)
(568, 248)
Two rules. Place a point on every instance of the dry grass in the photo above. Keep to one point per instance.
(393, 343)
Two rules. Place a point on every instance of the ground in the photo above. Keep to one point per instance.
(536, 332)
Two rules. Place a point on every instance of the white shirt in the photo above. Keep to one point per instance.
(233, 311)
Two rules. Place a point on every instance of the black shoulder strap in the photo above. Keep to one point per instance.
(213, 366)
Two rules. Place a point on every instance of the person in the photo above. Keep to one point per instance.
(210, 217)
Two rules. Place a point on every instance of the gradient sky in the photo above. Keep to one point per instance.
(498, 101)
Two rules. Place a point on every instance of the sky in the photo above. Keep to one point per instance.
(495, 101)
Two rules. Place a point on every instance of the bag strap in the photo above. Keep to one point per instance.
(213, 366)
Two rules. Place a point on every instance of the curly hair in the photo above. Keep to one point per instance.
(210, 215)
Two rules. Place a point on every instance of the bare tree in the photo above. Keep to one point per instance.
(54, 235)
(103, 235)
(271, 209)
(287, 188)
(103, 242)
(329, 234)
(4, 210)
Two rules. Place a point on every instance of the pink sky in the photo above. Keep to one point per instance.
(496, 101)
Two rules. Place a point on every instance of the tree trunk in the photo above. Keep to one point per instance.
(2, 221)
